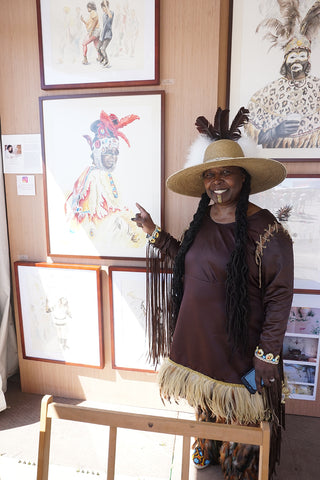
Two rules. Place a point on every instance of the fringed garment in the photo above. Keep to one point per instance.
(202, 367)
(276, 102)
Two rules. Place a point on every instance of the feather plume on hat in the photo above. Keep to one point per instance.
(218, 131)
(219, 145)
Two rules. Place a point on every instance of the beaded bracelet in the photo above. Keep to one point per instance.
(266, 357)
(155, 234)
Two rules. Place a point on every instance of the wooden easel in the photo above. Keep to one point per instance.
(172, 426)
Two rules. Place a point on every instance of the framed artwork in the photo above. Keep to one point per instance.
(98, 44)
(296, 204)
(128, 319)
(280, 87)
(102, 153)
(301, 345)
(60, 313)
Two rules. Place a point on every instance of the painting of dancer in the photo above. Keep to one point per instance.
(98, 43)
(102, 155)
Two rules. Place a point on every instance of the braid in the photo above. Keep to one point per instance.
(179, 266)
(237, 303)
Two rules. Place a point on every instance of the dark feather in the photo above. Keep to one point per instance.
(217, 120)
(220, 129)
(239, 120)
(205, 127)
(224, 124)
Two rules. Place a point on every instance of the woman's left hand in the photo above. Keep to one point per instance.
(266, 372)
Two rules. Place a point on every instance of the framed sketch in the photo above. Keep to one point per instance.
(279, 84)
(60, 313)
(296, 204)
(128, 319)
(103, 153)
(98, 44)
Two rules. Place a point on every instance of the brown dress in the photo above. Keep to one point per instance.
(202, 367)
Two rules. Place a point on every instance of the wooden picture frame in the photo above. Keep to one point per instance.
(301, 347)
(102, 154)
(129, 58)
(258, 80)
(60, 313)
(296, 203)
(127, 287)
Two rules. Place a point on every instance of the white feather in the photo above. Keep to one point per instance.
(249, 147)
(196, 151)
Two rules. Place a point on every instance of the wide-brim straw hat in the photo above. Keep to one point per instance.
(265, 172)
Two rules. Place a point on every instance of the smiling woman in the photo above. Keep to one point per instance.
(230, 299)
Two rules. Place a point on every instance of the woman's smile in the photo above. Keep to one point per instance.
(223, 184)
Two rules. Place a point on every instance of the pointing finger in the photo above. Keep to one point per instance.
(142, 210)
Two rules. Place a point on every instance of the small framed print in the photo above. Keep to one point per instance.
(301, 345)
(275, 73)
(102, 154)
(112, 43)
(60, 313)
(128, 319)
(296, 204)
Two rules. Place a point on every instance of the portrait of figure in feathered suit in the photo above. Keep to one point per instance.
(95, 198)
(285, 112)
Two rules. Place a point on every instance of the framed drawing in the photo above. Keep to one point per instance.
(296, 203)
(60, 313)
(103, 153)
(98, 44)
(275, 73)
(128, 319)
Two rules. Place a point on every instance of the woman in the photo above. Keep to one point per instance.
(93, 30)
(231, 293)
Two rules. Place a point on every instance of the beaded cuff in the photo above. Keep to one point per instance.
(155, 234)
(266, 357)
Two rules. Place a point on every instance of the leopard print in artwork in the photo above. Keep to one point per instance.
(270, 105)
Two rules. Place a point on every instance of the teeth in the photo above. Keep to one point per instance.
(219, 192)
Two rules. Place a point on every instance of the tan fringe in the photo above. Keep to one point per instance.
(158, 304)
(231, 402)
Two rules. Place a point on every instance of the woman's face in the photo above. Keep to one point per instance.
(223, 184)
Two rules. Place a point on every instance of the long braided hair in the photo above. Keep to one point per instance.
(237, 304)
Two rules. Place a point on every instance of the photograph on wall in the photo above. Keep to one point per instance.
(128, 319)
(102, 43)
(21, 153)
(103, 153)
(304, 317)
(301, 348)
(60, 313)
(296, 204)
(275, 73)
(301, 380)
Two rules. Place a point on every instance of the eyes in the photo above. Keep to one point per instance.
(208, 175)
(297, 55)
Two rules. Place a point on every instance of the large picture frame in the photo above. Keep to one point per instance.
(102, 154)
(301, 347)
(283, 104)
(127, 287)
(85, 47)
(60, 313)
(296, 203)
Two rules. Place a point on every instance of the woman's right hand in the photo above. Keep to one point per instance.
(144, 220)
